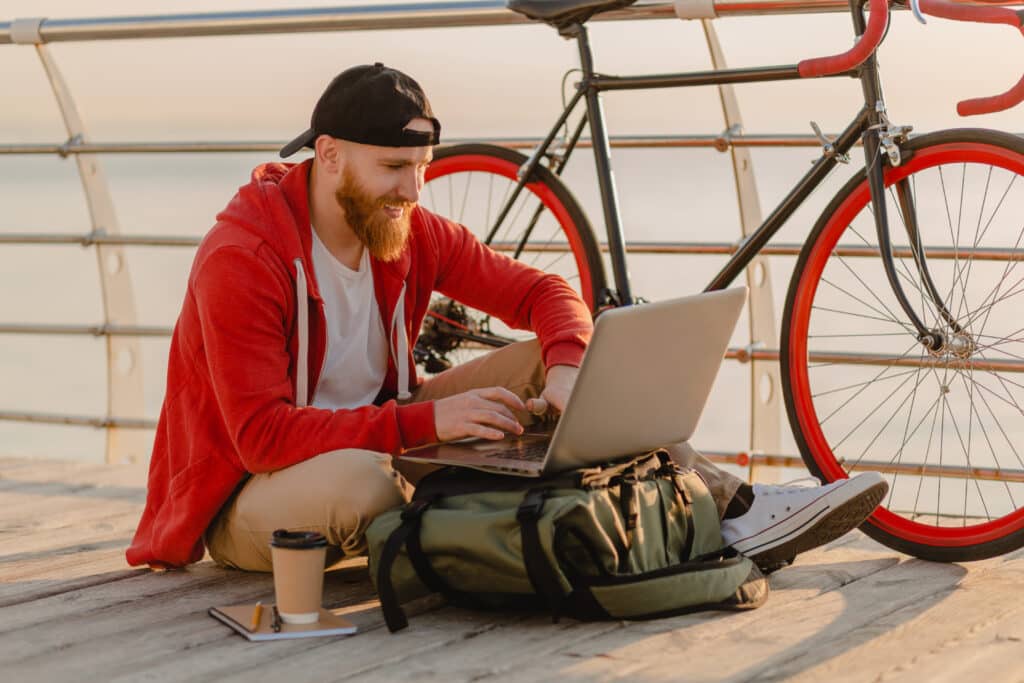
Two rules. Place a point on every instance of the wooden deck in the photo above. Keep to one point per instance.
(72, 610)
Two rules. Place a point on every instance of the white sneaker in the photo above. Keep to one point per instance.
(786, 520)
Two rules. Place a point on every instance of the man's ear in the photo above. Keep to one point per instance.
(328, 153)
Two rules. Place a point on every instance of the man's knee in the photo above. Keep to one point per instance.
(337, 493)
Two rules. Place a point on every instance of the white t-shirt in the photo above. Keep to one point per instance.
(357, 352)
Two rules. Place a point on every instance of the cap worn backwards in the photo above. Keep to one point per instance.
(371, 104)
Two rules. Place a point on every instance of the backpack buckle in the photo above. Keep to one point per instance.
(532, 505)
(415, 509)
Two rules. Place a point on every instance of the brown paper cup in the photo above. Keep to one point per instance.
(298, 558)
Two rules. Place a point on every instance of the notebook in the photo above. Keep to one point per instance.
(643, 384)
(240, 618)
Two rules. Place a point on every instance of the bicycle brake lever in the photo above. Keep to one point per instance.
(830, 149)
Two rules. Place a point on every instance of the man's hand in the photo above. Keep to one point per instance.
(485, 413)
(558, 385)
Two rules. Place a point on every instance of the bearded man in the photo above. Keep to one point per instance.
(291, 388)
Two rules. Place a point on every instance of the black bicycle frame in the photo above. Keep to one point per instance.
(867, 125)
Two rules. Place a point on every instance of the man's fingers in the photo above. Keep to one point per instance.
(537, 406)
(497, 407)
(483, 432)
(499, 420)
(503, 395)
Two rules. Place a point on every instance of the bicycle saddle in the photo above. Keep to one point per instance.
(562, 13)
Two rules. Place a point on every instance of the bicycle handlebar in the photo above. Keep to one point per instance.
(987, 15)
(858, 54)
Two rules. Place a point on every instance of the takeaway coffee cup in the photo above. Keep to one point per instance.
(298, 558)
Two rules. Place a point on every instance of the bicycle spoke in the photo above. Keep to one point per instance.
(1009, 339)
(865, 317)
(869, 290)
(927, 453)
(978, 236)
(897, 457)
(986, 308)
(1002, 383)
(942, 449)
(956, 242)
(906, 427)
(1008, 443)
(845, 336)
(1010, 402)
(433, 199)
(892, 316)
(884, 370)
(907, 275)
(465, 197)
(910, 397)
(861, 384)
(999, 425)
(965, 448)
(873, 411)
(972, 412)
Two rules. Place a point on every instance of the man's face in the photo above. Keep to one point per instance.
(378, 189)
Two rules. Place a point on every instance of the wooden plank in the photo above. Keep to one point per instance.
(965, 633)
(770, 638)
(852, 611)
(467, 646)
(156, 619)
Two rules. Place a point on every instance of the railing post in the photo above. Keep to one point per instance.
(765, 388)
(124, 362)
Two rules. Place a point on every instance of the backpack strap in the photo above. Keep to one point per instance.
(542, 576)
(394, 615)
(407, 535)
(723, 580)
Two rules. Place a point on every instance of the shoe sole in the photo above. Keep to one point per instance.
(819, 531)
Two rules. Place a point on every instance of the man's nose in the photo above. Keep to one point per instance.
(409, 188)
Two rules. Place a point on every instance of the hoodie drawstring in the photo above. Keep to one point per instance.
(401, 354)
(302, 309)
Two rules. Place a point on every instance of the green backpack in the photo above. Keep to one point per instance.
(637, 539)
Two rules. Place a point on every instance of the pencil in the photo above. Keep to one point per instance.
(276, 624)
(257, 615)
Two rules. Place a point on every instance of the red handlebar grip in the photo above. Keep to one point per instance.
(868, 43)
(986, 15)
(987, 105)
(961, 12)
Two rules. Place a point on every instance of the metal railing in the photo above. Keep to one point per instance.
(119, 329)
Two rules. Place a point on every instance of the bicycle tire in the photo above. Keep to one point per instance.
(981, 524)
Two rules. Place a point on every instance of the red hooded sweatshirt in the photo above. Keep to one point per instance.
(243, 354)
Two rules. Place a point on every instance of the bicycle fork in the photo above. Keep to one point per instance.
(881, 145)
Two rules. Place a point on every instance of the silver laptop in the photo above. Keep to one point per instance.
(643, 384)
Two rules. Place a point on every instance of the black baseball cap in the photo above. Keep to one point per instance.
(371, 104)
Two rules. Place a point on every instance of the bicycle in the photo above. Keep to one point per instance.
(870, 356)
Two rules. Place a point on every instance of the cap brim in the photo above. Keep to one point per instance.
(304, 140)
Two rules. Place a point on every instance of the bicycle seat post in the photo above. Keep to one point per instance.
(603, 164)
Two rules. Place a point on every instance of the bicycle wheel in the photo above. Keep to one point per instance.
(943, 426)
(471, 184)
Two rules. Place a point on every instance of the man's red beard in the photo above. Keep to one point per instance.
(385, 237)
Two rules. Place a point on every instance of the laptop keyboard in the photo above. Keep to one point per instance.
(533, 451)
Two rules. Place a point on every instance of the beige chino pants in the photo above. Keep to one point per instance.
(340, 492)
